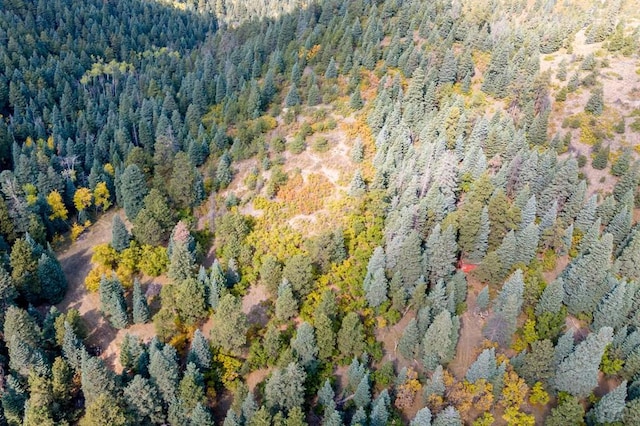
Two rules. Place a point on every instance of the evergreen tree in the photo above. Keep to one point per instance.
(448, 417)
(482, 301)
(143, 400)
(484, 367)
(112, 301)
(191, 302)
(104, 411)
(229, 332)
(191, 390)
(585, 274)
(326, 395)
(376, 293)
(97, 380)
(357, 187)
(305, 344)
(52, 279)
(293, 98)
(140, 307)
(577, 374)
(164, 372)
(409, 343)
(610, 408)
(442, 252)
(133, 189)
(568, 412)
(286, 304)
(448, 69)
(285, 388)
(325, 336)
(351, 336)
(610, 311)
(199, 352)
(595, 104)
(551, 298)
(379, 413)
(440, 340)
(181, 263)
(120, 237)
(200, 416)
(362, 396)
(538, 365)
(355, 101)
(506, 309)
(422, 418)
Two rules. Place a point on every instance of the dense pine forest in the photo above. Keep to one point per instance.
(329, 212)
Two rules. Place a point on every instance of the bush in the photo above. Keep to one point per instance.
(320, 145)
(582, 160)
(278, 144)
(297, 146)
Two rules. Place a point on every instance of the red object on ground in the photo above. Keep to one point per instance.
(467, 267)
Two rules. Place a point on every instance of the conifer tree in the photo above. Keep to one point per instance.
(527, 243)
(143, 400)
(96, 379)
(376, 293)
(217, 283)
(357, 187)
(199, 352)
(120, 237)
(448, 417)
(191, 390)
(285, 388)
(200, 416)
(577, 374)
(422, 418)
(112, 301)
(292, 98)
(326, 395)
(551, 298)
(325, 336)
(191, 301)
(286, 303)
(409, 344)
(52, 279)
(440, 341)
(305, 344)
(585, 274)
(610, 311)
(442, 252)
(133, 189)
(351, 336)
(379, 413)
(362, 396)
(481, 242)
(140, 308)
(104, 411)
(610, 408)
(484, 367)
(230, 329)
(164, 372)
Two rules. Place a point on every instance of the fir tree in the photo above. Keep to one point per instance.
(199, 352)
(351, 336)
(52, 279)
(200, 416)
(578, 373)
(551, 298)
(357, 187)
(96, 379)
(164, 372)
(448, 417)
(285, 388)
(286, 303)
(325, 336)
(484, 367)
(231, 326)
(140, 308)
(440, 341)
(482, 301)
(305, 344)
(292, 98)
(362, 396)
(143, 400)
(120, 237)
(409, 344)
(422, 418)
(133, 189)
(112, 301)
(610, 408)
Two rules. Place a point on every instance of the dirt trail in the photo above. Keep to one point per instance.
(76, 264)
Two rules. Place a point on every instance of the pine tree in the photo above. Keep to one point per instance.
(120, 237)
(484, 367)
(595, 104)
(376, 293)
(628, 263)
(610, 311)
(143, 400)
(551, 298)
(351, 336)
(140, 307)
(578, 373)
(610, 408)
(112, 301)
(292, 98)
(96, 378)
(52, 279)
(133, 189)
(217, 283)
(164, 372)
(199, 352)
(440, 341)
(448, 69)
(568, 412)
(357, 187)
(379, 413)
(538, 364)
(305, 344)
(409, 344)
(104, 411)
(422, 418)
(191, 302)
(527, 244)
(286, 303)
(506, 309)
(362, 396)
(442, 252)
(191, 391)
(200, 416)
(481, 242)
(482, 301)
(325, 336)
(448, 417)
(229, 332)
(181, 263)
(285, 388)
(326, 395)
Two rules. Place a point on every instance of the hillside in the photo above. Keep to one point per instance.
(364, 212)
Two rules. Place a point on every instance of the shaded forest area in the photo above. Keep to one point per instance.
(338, 212)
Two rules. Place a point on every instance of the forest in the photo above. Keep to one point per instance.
(319, 212)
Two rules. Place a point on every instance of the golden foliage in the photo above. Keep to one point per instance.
(82, 198)
(406, 392)
(102, 196)
(58, 209)
(229, 370)
(92, 281)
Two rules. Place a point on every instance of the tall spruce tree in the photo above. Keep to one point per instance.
(120, 237)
